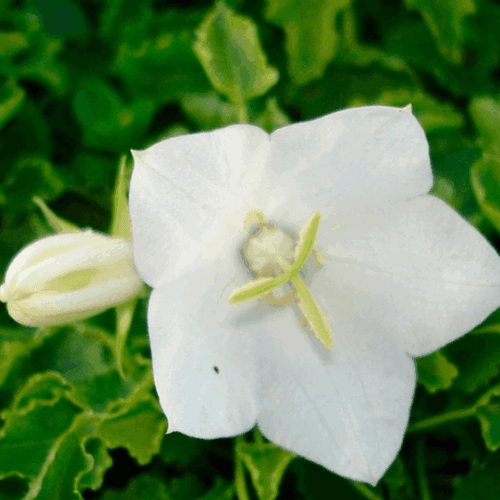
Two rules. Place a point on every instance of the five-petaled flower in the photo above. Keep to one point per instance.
(395, 273)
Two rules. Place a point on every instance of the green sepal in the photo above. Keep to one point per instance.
(266, 464)
(121, 227)
(58, 224)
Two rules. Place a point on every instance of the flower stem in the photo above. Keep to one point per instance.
(239, 475)
(365, 491)
(445, 418)
(425, 493)
(242, 111)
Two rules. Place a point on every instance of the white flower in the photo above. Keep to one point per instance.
(68, 277)
(402, 274)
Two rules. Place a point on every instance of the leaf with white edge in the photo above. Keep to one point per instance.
(446, 21)
(39, 416)
(489, 418)
(311, 36)
(485, 112)
(485, 179)
(229, 50)
(99, 461)
(266, 464)
(435, 372)
(139, 428)
(65, 461)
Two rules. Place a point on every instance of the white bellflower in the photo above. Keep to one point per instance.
(322, 363)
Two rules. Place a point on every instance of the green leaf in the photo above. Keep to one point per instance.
(138, 427)
(272, 117)
(163, 68)
(142, 487)
(61, 17)
(40, 63)
(485, 179)
(489, 418)
(181, 450)
(266, 464)
(39, 416)
(399, 482)
(445, 20)
(220, 491)
(476, 357)
(482, 482)
(98, 461)
(107, 122)
(485, 112)
(31, 177)
(11, 99)
(11, 43)
(209, 111)
(229, 50)
(66, 460)
(311, 36)
(435, 372)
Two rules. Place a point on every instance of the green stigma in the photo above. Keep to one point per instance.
(262, 287)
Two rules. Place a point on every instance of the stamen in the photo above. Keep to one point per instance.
(255, 215)
(263, 287)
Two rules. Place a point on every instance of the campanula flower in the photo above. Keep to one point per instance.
(295, 277)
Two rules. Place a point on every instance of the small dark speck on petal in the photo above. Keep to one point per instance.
(216, 369)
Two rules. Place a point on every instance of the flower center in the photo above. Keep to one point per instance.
(277, 261)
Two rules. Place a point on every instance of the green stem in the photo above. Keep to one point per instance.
(240, 484)
(421, 474)
(366, 491)
(242, 111)
(445, 418)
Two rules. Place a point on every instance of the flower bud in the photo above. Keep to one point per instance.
(67, 277)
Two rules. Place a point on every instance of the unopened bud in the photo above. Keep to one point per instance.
(67, 277)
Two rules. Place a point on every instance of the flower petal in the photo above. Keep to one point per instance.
(190, 190)
(203, 363)
(420, 272)
(345, 409)
(352, 161)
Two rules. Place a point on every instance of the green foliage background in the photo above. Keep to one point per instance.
(84, 81)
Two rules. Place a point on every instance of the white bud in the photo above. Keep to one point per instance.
(67, 277)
